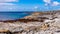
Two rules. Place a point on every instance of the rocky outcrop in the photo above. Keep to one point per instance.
(37, 24)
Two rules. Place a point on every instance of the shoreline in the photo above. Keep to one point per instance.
(30, 17)
(36, 23)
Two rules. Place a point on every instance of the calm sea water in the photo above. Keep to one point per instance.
(12, 15)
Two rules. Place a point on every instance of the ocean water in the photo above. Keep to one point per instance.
(12, 15)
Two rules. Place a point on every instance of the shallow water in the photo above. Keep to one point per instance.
(12, 15)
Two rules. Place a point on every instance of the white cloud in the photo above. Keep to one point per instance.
(9, 8)
(46, 4)
(7, 4)
(55, 3)
(36, 7)
(1, 1)
(47, 1)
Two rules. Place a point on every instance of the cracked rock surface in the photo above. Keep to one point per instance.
(48, 26)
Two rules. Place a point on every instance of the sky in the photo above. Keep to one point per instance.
(29, 5)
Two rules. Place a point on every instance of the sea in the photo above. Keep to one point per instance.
(12, 15)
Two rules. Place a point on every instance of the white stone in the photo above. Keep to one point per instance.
(48, 21)
(56, 33)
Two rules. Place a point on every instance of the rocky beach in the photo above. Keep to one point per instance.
(36, 23)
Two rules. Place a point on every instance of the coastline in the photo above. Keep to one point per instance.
(37, 23)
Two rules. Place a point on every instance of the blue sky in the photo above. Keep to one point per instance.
(29, 5)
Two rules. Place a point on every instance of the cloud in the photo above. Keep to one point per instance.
(7, 4)
(51, 3)
(46, 4)
(2, 1)
(55, 3)
(47, 1)
(35, 7)
(9, 8)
